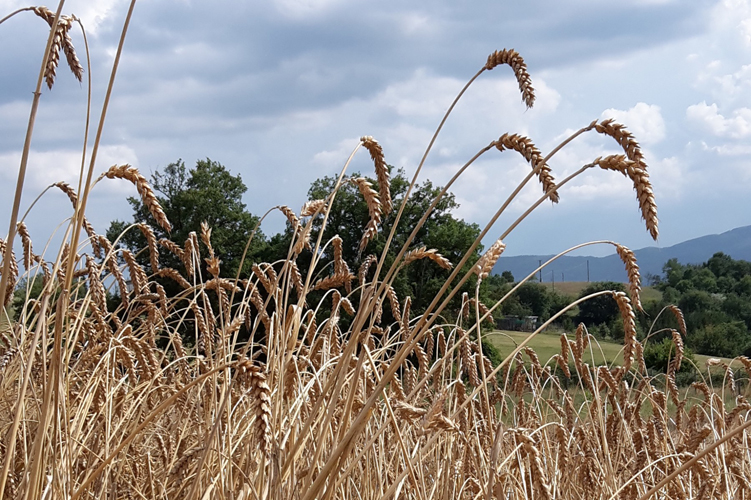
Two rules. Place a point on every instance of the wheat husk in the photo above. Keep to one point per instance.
(637, 172)
(525, 147)
(382, 172)
(634, 278)
(513, 59)
(148, 197)
(424, 253)
(486, 263)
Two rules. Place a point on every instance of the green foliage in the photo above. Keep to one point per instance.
(536, 298)
(208, 192)
(492, 352)
(715, 298)
(602, 309)
(507, 277)
(721, 339)
(421, 279)
(531, 299)
(657, 356)
(25, 291)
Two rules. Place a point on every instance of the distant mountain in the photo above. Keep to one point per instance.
(735, 243)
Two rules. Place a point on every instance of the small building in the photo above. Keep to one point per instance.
(518, 323)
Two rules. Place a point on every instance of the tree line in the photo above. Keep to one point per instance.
(715, 296)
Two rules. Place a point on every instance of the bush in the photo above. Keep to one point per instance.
(723, 339)
(492, 352)
(657, 356)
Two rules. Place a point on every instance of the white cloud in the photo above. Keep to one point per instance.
(734, 17)
(413, 23)
(643, 120)
(736, 127)
(92, 14)
(47, 167)
(336, 157)
(669, 178)
(728, 149)
(300, 10)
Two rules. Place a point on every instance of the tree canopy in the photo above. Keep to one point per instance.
(450, 236)
(715, 298)
(207, 192)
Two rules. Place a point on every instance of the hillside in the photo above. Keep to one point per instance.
(574, 288)
(735, 243)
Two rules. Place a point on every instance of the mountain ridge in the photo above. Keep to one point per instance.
(736, 243)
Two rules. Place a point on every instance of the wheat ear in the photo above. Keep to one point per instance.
(629, 328)
(634, 278)
(312, 207)
(28, 253)
(70, 53)
(382, 171)
(525, 147)
(679, 318)
(374, 209)
(424, 253)
(144, 190)
(513, 59)
(291, 216)
(54, 56)
(637, 172)
(487, 262)
(13, 273)
(62, 40)
(73, 197)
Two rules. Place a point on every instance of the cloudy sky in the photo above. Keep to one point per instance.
(280, 92)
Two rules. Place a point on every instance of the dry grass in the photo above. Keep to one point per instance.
(239, 388)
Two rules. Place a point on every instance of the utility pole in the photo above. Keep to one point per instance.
(587, 270)
(540, 261)
(553, 274)
(563, 277)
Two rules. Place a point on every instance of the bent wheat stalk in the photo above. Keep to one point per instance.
(25, 155)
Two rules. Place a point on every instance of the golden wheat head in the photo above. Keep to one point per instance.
(513, 59)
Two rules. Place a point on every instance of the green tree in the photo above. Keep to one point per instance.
(602, 309)
(450, 236)
(657, 356)
(714, 298)
(208, 192)
(673, 272)
(537, 298)
(721, 339)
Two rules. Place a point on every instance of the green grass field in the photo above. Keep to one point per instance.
(546, 345)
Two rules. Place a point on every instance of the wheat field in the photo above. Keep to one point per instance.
(245, 388)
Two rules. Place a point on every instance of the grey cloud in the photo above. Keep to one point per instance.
(264, 93)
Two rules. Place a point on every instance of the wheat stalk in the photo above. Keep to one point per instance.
(382, 172)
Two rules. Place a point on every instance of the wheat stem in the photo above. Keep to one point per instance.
(25, 156)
